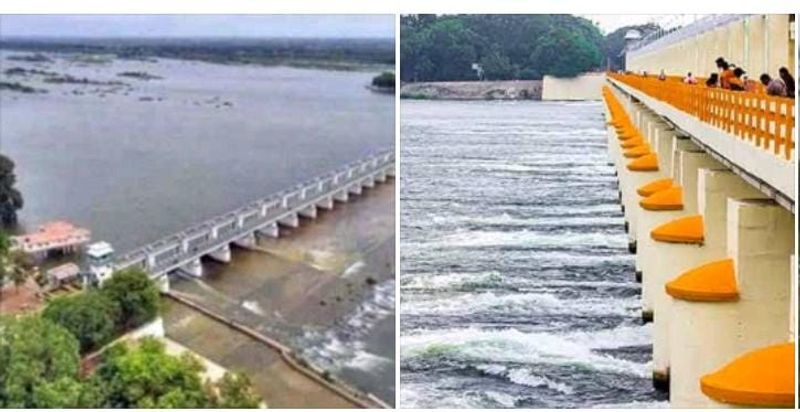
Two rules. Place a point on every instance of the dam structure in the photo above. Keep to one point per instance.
(183, 251)
(707, 181)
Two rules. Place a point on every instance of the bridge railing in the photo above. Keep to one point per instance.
(766, 121)
(274, 204)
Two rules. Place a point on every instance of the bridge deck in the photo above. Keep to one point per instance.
(186, 246)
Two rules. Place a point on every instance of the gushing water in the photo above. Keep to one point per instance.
(517, 288)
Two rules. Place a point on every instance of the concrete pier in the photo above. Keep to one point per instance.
(715, 256)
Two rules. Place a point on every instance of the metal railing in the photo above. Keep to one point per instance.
(766, 121)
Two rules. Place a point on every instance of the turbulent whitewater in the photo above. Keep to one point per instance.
(517, 289)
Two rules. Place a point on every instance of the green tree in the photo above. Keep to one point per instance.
(508, 46)
(90, 316)
(147, 377)
(65, 392)
(135, 293)
(564, 53)
(236, 392)
(385, 80)
(37, 359)
(10, 197)
(497, 66)
(18, 266)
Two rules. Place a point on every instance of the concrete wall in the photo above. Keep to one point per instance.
(584, 87)
(475, 90)
(758, 43)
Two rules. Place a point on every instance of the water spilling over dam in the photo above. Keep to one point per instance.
(517, 286)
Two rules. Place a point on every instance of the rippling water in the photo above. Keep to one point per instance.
(517, 287)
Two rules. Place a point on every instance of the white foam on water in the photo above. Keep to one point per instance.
(455, 281)
(482, 346)
(525, 376)
(337, 346)
(520, 304)
(504, 399)
(367, 361)
(507, 220)
(527, 238)
(353, 269)
(253, 306)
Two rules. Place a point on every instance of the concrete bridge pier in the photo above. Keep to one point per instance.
(342, 196)
(355, 188)
(193, 268)
(162, 283)
(659, 140)
(291, 220)
(270, 230)
(664, 204)
(247, 241)
(636, 173)
(726, 308)
(326, 203)
(309, 212)
(369, 182)
(222, 254)
(685, 243)
(380, 177)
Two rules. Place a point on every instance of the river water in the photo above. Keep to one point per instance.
(138, 162)
(135, 162)
(517, 289)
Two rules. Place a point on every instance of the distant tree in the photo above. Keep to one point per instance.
(5, 247)
(564, 53)
(384, 80)
(497, 66)
(236, 392)
(10, 197)
(443, 50)
(19, 267)
(508, 46)
(38, 363)
(90, 316)
(14, 265)
(136, 294)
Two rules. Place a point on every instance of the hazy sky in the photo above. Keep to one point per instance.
(198, 25)
(611, 22)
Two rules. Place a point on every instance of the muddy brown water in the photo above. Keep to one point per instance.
(325, 289)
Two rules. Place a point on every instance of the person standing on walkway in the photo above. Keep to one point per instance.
(788, 80)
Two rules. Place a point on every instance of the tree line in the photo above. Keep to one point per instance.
(504, 47)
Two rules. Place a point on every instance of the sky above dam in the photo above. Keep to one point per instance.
(297, 26)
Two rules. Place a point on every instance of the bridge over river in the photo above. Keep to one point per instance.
(182, 251)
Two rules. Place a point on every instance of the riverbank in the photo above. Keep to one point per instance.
(320, 289)
(477, 90)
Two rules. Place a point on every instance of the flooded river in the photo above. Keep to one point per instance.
(516, 284)
(138, 161)
(137, 157)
